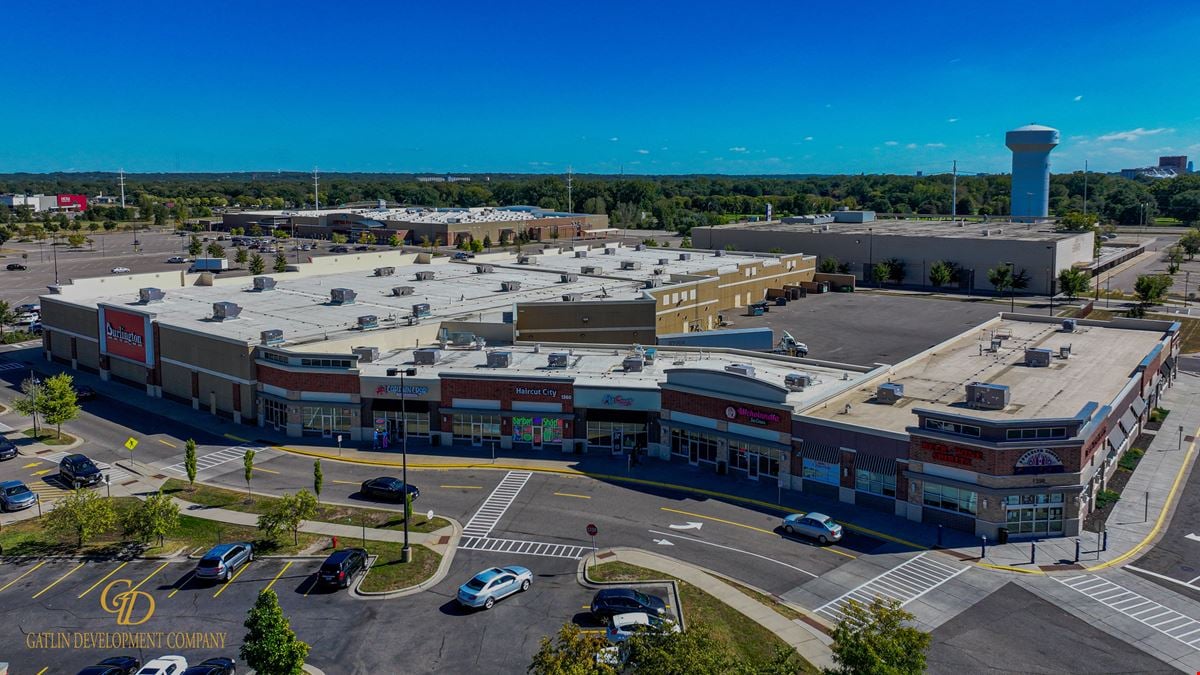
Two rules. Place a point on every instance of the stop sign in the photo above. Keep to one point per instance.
(591, 530)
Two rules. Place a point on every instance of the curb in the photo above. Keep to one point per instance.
(440, 574)
(582, 578)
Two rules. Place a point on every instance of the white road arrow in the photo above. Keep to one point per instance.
(1193, 537)
(663, 542)
(691, 525)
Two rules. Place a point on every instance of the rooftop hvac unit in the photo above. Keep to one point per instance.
(341, 296)
(588, 269)
(997, 343)
(499, 359)
(271, 337)
(264, 284)
(402, 290)
(368, 322)
(1069, 325)
(987, 396)
(485, 269)
(224, 311)
(527, 259)
(1064, 352)
(1037, 357)
(558, 359)
(427, 357)
(653, 282)
(423, 276)
(581, 254)
(685, 256)
(797, 381)
(421, 310)
(572, 297)
(720, 253)
(509, 286)
(610, 250)
(631, 265)
(384, 271)
(640, 247)
(149, 295)
(634, 364)
(569, 278)
(366, 354)
(664, 261)
(741, 369)
(659, 270)
(889, 392)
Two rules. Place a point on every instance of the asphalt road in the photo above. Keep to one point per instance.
(1176, 556)
(864, 328)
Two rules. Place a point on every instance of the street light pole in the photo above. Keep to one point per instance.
(1012, 287)
(406, 551)
(1053, 251)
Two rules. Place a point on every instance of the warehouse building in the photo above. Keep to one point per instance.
(857, 239)
(418, 225)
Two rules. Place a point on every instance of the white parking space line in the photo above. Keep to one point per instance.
(496, 505)
(1165, 620)
(904, 583)
(215, 459)
(518, 547)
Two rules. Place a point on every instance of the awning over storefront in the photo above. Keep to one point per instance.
(669, 424)
(1116, 438)
(875, 464)
(1138, 406)
(1128, 421)
(822, 452)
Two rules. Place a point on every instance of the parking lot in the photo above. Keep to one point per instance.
(1174, 561)
(866, 328)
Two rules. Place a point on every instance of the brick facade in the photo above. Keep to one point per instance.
(988, 461)
(337, 383)
(715, 408)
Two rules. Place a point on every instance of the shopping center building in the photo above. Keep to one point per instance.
(1016, 424)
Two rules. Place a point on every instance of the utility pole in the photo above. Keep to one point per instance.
(316, 195)
(954, 193)
(1085, 173)
(570, 204)
(121, 180)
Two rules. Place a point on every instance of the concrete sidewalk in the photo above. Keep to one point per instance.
(811, 643)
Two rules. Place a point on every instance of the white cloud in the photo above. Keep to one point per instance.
(1133, 134)
(614, 139)
(891, 143)
(935, 145)
(643, 151)
(952, 120)
(911, 146)
(738, 148)
(1078, 98)
(663, 148)
(703, 152)
(808, 138)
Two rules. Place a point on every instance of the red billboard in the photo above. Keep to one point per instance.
(125, 334)
(72, 202)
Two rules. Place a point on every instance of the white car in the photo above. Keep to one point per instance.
(120, 270)
(164, 665)
(812, 524)
(622, 626)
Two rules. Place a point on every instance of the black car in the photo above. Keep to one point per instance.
(362, 247)
(78, 471)
(84, 393)
(340, 567)
(217, 666)
(611, 601)
(339, 249)
(115, 665)
(16, 267)
(389, 488)
(7, 449)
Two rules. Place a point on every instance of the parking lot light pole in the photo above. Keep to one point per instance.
(406, 551)
(1012, 287)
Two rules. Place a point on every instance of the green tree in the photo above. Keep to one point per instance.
(242, 256)
(248, 470)
(570, 652)
(476, 246)
(1073, 282)
(287, 513)
(7, 315)
(59, 402)
(270, 645)
(156, 517)
(487, 241)
(110, 225)
(1186, 205)
(1077, 221)
(1020, 281)
(1000, 278)
(941, 273)
(257, 264)
(189, 461)
(76, 240)
(1151, 289)
(32, 401)
(394, 240)
(215, 250)
(82, 514)
(1190, 242)
(877, 640)
(338, 238)
(1174, 257)
(195, 248)
(366, 238)
(256, 230)
(880, 272)
(627, 215)
(280, 263)
(897, 270)
(318, 478)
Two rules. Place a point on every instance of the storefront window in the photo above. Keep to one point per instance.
(951, 498)
(754, 459)
(476, 427)
(696, 446)
(875, 483)
(615, 435)
(525, 429)
(274, 413)
(1034, 513)
(324, 420)
(821, 472)
(417, 426)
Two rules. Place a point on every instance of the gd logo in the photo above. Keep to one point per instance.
(123, 603)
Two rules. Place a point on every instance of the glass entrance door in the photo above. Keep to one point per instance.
(693, 452)
(752, 466)
(326, 424)
(476, 434)
(537, 438)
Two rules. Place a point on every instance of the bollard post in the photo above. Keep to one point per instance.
(939, 535)
(1146, 509)
(1076, 550)
(983, 547)
(1033, 553)
(1104, 546)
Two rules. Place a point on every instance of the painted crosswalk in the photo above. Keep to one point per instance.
(219, 457)
(903, 583)
(497, 503)
(10, 365)
(1165, 620)
(116, 475)
(518, 547)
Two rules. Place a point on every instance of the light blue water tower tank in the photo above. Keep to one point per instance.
(1031, 146)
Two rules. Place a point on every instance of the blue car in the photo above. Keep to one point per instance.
(490, 585)
(7, 449)
(15, 495)
(222, 561)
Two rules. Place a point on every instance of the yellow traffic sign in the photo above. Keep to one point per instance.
(131, 443)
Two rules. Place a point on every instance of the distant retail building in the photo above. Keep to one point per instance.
(46, 203)
(1168, 167)
(856, 239)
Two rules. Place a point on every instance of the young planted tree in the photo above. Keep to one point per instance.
(1073, 282)
(1190, 242)
(242, 256)
(59, 403)
(570, 651)
(189, 461)
(881, 271)
(940, 273)
(1151, 289)
(157, 517)
(366, 238)
(31, 402)
(270, 645)
(318, 478)
(394, 240)
(257, 264)
(487, 241)
(338, 238)
(878, 639)
(280, 263)
(7, 316)
(897, 270)
(248, 470)
(287, 513)
(195, 247)
(82, 514)
(1000, 278)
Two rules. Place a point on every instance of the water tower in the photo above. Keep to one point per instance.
(1031, 146)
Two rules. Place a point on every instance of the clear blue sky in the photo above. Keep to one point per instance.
(648, 87)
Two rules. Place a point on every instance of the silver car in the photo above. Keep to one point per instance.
(223, 561)
(816, 525)
(490, 585)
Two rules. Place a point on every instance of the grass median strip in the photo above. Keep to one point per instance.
(744, 636)
(235, 500)
(388, 573)
(47, 438)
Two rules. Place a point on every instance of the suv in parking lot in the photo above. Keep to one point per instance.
(222, 561)
(7, 449)
(340, 567)
(611, 601)
(78, 471)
